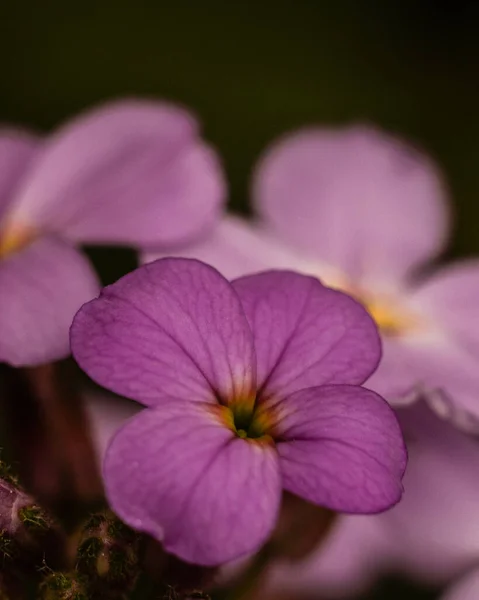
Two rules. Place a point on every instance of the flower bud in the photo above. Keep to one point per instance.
(27, 531)
(108, 554)
(64, 586)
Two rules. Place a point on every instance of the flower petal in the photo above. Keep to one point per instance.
(434, 526)
(129, 172)
(176, 473)
(434, 368)
(356, 198)
(441, 360)
(449, 297)
(342, 448)
(345, 564)
(306, 334)
(466, 588)
(235, 247)
(17, 148)
(173, 327)
(41, 288)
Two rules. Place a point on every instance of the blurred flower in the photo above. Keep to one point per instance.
(430, 535)
(262, 374)
(127, 173)
(364, 212)
(433, 528)
(466, 588)
(346, 563)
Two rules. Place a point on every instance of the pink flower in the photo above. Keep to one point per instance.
(367, 214)
(250, 387)
(364, 212)
(430, 535)
(130, 172)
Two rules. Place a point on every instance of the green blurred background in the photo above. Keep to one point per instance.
(253, 70)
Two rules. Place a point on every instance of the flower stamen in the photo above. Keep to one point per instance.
(13, 239)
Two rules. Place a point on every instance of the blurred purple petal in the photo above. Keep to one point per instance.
(450, 300)
(17, 148)
(430, 535)
(466, 588)
(306, 334)
(172, 328)
(433, 367)
(342, 448)
(344, 565)
(434, 527)
(235, 247)
(177, 473)
(450, 297)
(41, 288)
(356, 198)
(128, 172)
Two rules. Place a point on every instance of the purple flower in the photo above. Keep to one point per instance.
(251, 387)
(433, 530)
(128, 173)
(430, 535)
(366, 214)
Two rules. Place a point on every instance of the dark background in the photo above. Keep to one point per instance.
(253, 70)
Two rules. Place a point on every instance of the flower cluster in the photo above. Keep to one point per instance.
(285, 353)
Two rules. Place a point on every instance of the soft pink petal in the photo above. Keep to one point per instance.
(450, 298)
(466, 588)
(450, 363)
(345, 564)
(342, 448)
(41, 288)
(127, 172)
(436, 368)
(356, 198)
(173, 327)
(434, 526)
(430, 535)
(177, 473)
(17, 148)
(236, 247)
(306, 334)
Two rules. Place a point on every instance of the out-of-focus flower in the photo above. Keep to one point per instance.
(430, 534)
(127, 173)
(433, 529)
(364, 212)
(466, 588)
(345, 564)
(251, 387)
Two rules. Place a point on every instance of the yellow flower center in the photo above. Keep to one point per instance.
(14, 238)
(247, 422)
(391, 319)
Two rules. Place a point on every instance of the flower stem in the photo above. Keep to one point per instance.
(51, 442)
(252, 576)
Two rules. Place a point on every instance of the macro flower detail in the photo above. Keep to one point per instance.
(126, 173)
(466, 588)
(250, 387)
(366, 213)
